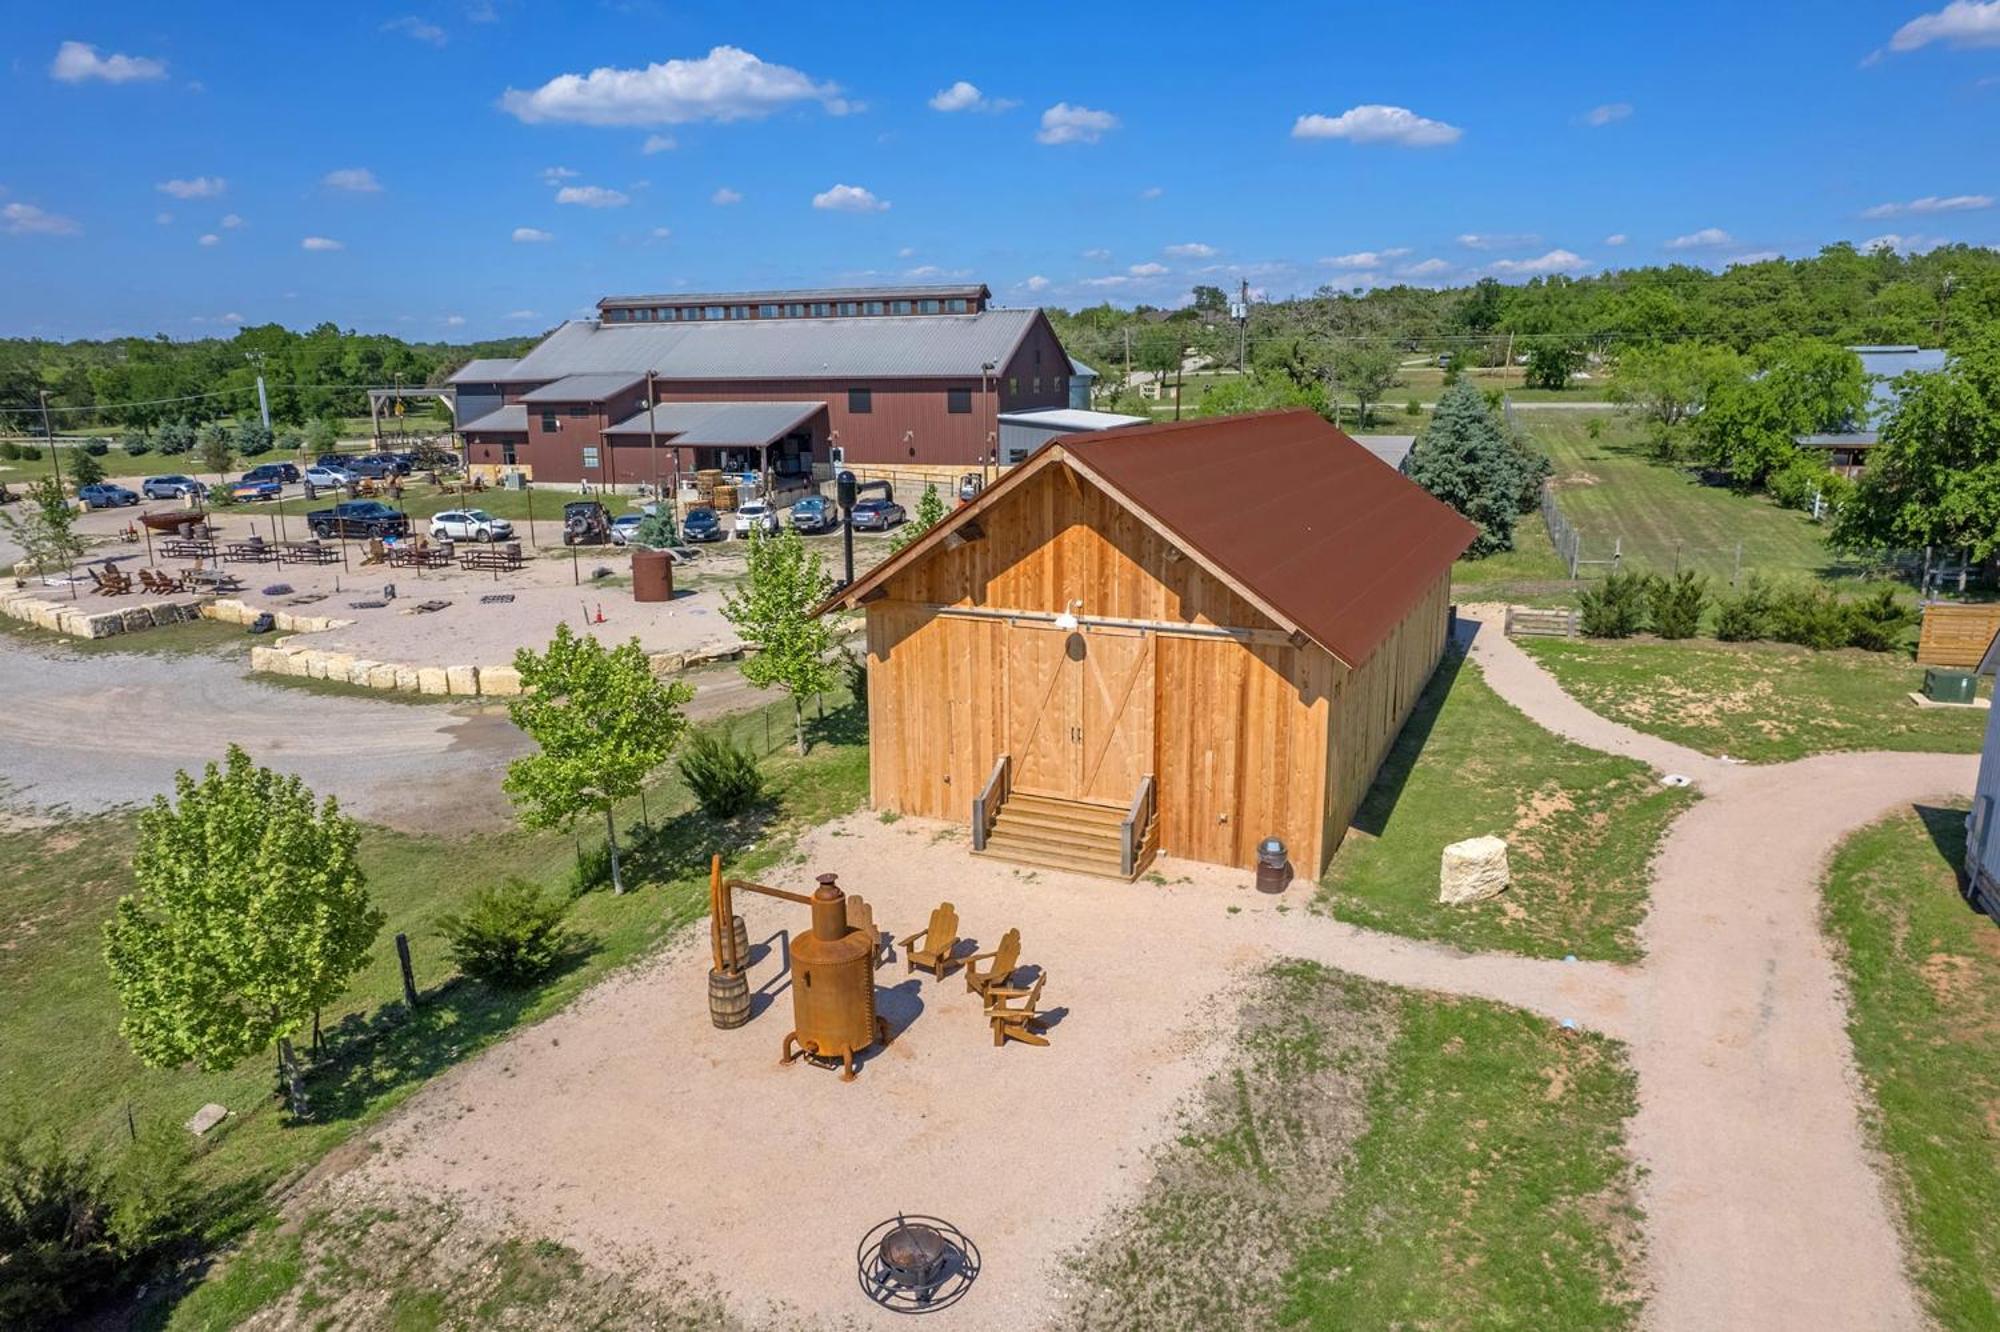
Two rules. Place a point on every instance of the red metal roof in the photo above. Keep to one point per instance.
(1326, 534)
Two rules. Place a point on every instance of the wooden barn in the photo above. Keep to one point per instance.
(1170, 639)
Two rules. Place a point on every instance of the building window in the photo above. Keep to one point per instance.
(579, 409)
(1013, 386)
(713, 312)
(1038, 356)
(1058, 382)
(958, 401)
(795, 310)
(849, 309)
(507, 458)
(691, 312)
(860, 402)
(549, 423)
(767, 312)
(589, 456)
(821, 309)
(956, 305)
(617, 316)
(1038, 383)
(875, 308)
(662, 313)
(904, 307)
(739, 312)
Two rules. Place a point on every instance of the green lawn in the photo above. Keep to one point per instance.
(1765, 702)
(1611, 489)
(63, 1056)
(1531, 574)
(1581, 829)
(1370, 1157)
(1923, 980)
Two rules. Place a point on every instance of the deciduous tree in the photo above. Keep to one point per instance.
(930, 512)
(45, 529)
(773, 612)
(1800, 388)
(1366, 370)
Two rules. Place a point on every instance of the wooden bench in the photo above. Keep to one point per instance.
(1530, 622)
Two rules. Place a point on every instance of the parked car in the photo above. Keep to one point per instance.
(586, 523)
(104, 495)
(755, 516)
(624, 526)
(172, 486)
(470, 525)
(815, 513)
(876, 515)
(256, 488)
(328, 478)
(358, 518)
(282, 472)
(702, 524)
(379, 466)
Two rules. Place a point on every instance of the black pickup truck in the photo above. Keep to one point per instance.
(358, 518)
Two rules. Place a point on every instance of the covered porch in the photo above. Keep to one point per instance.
(769, 447)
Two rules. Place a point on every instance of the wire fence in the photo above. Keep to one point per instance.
(770, 727)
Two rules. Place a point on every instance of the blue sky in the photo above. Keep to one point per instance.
(457, 170)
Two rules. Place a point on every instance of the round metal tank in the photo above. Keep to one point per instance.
(652, 575)
(833, 980)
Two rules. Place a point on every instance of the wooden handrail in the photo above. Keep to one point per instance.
(1133, 828)
(986, 805)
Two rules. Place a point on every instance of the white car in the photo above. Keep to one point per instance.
(756, 516)
(469, 525)
(624, 526)
(328, 478)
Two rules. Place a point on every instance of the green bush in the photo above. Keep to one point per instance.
(84, 469)
(176, 437)
(1744, 616)
(9, 450)
(1879, 622)
(73, 1230)
(724, 778)
(1677, 603)
(136, 443)
(28, 452)
(96, 447)
(253, 438)
(508, 936)
(1811, 616)
(1617, 607)
(1413, 408)
(1795, 482)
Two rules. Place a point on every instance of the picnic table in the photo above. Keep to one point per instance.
(307, 552)
(254, 551)
(188, 548)
(212, 580)
(503, 559)
(401, 556)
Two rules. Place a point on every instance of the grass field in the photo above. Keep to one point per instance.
(1612, 490)
(1581, 828)
(1923, 980)
(1765, 702)
(1531, 574)
(59, 1017)
(1370, 1157)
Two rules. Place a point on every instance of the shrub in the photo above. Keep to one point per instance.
(1744, 616)
(1413, 408)
(28, 452)
(1879, 622)
(9, 450)
(1594, 427)
(1616, 608)
(1799, 479)
(176, 437)
(84, 469)
(96, 447)
(253, 438)
(507, 936)
(725, 778)
(1809, 615)
(1677, 604)
(136, 443)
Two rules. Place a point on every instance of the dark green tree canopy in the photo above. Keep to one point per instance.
(1466, 458)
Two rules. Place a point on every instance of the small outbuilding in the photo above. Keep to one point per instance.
(1179, 639)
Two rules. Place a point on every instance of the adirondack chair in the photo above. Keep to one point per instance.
(1016, 1023)
(375, 552)
(861, 916)
(116, 584)
(939, 939)
(152, 582)
(1004, 959)
(97, 581)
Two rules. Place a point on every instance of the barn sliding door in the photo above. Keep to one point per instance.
(1080, 712)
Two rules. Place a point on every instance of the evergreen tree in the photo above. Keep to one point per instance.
(1465, 458)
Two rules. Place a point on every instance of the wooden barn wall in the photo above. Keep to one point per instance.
(937, 709)
(1371, 704)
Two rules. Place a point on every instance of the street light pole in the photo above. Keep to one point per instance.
(652, 438)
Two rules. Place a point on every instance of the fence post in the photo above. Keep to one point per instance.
(409, 976)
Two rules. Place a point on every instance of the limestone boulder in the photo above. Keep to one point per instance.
(462, 680)
(432, 680)
(406, 679)
(383, 676)
(499, 681)
(1473, 871)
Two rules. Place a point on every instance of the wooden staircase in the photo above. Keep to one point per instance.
(1070, 835)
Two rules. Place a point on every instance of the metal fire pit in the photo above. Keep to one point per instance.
(916, 1264)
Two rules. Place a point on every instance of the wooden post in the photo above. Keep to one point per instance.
(409, 975)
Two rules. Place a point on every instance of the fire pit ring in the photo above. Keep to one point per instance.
(916, 1264)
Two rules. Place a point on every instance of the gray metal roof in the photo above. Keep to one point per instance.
(511, 417)
(1069, 419)
(485, 370)
(584, 387)
(971, 290)
(1391, 449)
(721, 422)
(1080, 370)
(868, 347)
(1883, 364)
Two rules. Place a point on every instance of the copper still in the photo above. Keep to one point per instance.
(833, 972)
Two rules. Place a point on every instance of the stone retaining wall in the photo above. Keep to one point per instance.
(93, 619)
(287, 656)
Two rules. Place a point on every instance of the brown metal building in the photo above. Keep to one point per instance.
(1181, 638)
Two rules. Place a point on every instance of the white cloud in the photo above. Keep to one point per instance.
(725, 196)
(1097, 255)
(1932, 203)
(320, 244)
(230, 221)
(556, 175)
(724, 85)
(230, 318)
(1036, 283)
(963, 96)
(661, 233)
(1114, 280)
(1425, 268)
(658, 143)
(24, 219)
(416, 29)
(78, 62)
(453, 321)
(1600, 116)
(933, 271)
(1616, 238)
(1908, 244)
(1708, 238)
(1498, 240)
(1152, 192)
(1754, 257)
(521, 314)
(355, 180)
(164, 219)
(1146, 270)
(199, 187)
(1190, 250)
(849, 199)
(1063, 123)
(1375, 123)
(1555, 261)
(592, 196)
(532, 235)
(1365, 258)
(1961, 23)
(209, 238)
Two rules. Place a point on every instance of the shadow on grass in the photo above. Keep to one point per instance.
(844, 725)
(1380, 802)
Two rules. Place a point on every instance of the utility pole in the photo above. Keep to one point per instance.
(1243, 329)
(256, 358)
(652, 439)
(1128, 356)
(48, 433)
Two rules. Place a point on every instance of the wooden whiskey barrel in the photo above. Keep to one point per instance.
(742, 942)
(728, 999)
